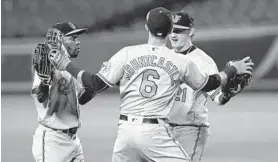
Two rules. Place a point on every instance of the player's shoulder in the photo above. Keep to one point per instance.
(135, 46)
(138, 50)
(203, 56)
(131, 48)
(205, 62)
(181, 59)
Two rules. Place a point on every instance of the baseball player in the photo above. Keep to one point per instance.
(57, 97)
(148, 76)
(189, 116)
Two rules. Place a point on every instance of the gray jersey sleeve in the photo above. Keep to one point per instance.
(112, 71)
(193, 77)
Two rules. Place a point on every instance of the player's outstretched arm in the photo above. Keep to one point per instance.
(91, 81)
(243, 66)
(199, 81)
(109, 75)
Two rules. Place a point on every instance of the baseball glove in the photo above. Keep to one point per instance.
(236, 83)
(57, 53)
(41, 63)
(53, 38)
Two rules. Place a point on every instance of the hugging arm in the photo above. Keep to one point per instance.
(109, 75)
(197, 80)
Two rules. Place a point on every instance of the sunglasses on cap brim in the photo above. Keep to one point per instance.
(178, 30)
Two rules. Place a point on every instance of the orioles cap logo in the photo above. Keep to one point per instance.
(176, 18)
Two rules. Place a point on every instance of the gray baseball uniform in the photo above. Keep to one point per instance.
(59, 112)
(148, 78)
(189, 116)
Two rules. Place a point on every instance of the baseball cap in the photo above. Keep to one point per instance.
(182, 20)
(68, 29)
(159, 21)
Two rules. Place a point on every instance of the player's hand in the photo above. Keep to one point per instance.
(46, 80)
(239, 81)
(244, 66)
(53, 39)
(59, 59)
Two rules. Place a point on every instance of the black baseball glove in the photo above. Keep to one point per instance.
(41, 63)
(236, 83)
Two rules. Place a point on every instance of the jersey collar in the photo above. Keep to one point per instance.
(190, 49)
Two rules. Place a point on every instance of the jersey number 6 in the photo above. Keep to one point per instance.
(148, 87)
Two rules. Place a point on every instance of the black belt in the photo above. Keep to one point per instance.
(70, 131)
(145, 120)
(189, 125)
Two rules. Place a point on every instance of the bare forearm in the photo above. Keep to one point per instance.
(42, 93)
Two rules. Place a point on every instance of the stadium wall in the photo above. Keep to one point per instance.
(223, 44)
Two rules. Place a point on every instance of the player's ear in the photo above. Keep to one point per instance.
(146, 27)
(192, 31)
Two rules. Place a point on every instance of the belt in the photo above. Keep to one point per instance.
(70, 131)
(189, 125)
(145, 120)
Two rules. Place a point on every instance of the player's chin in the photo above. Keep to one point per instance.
(174, 44)
(74, 54)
